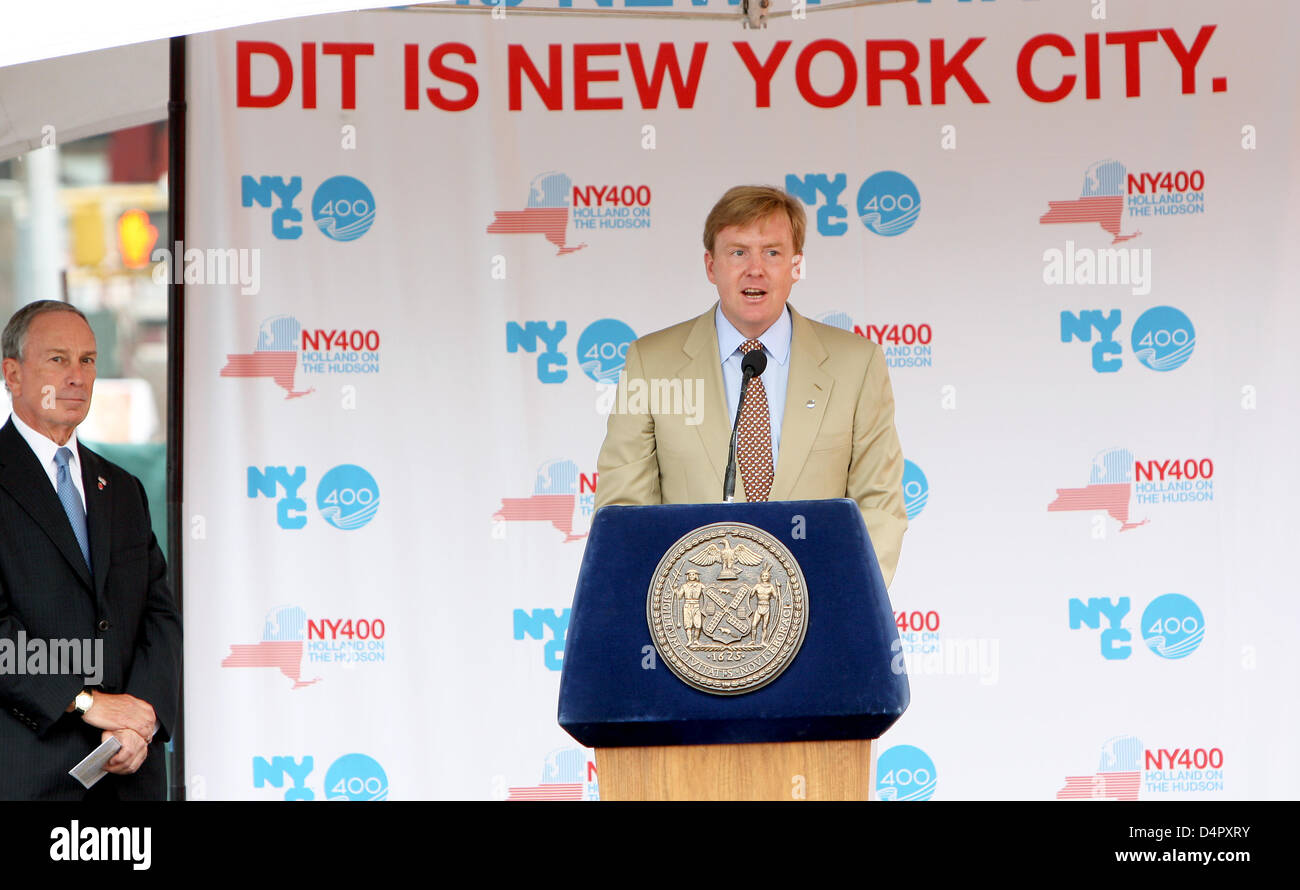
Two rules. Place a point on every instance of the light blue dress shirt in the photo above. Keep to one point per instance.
(776, 343)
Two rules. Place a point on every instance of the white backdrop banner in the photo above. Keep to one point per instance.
(419, 245)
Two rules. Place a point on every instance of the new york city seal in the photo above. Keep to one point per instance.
(728, 608)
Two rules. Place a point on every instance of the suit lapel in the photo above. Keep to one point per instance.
(97, 517)
(22, 475)
(703, 363)
(808, 382)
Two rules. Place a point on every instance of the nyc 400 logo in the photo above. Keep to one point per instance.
(601, 349)
(1162, 338)
(347, 496)
(342, 207)
(1172, 625)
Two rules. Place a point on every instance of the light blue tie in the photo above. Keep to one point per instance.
(72, 502)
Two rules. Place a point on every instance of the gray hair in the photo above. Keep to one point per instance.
(14, 339)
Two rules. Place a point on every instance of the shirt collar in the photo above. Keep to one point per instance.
(776, 339)
(45, 447)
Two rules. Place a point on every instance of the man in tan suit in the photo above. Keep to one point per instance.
(825, 397)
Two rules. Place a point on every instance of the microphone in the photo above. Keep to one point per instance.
(753, 365)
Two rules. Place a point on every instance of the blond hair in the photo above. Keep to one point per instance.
(745, 204)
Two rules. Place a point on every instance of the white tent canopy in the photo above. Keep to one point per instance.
(62, 28)
(76, 69)
(58, 100)
(50, 30)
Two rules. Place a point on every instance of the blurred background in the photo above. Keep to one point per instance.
(79, 222)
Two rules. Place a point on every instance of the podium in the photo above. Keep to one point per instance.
(677, 667)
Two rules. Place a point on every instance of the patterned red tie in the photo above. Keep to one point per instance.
(754, 450)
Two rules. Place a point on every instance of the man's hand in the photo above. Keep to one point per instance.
(131, 756)
(113, 712)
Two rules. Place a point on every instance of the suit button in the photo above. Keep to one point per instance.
(103, 624)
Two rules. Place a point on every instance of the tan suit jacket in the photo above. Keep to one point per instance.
(837, 436)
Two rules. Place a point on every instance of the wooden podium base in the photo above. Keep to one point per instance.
(761, 771)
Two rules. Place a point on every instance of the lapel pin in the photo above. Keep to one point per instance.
(810, 404)
(102, 482)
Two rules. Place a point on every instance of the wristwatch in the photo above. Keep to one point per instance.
(83, 701)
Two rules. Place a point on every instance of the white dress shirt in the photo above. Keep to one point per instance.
(45, 448)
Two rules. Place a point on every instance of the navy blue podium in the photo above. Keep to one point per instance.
(658, 737)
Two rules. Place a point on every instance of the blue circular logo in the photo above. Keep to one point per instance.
(905, 772)
(343, 208)
(347, 497)
(1173, 626)
(356, 777)
(602, 349)
(888, 203)
(916, 489)
(1163, 338)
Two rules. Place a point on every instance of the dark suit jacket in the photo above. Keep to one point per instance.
(47, 591)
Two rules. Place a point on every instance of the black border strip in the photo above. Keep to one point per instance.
(176, 377)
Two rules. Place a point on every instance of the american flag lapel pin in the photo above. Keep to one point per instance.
(102, 482)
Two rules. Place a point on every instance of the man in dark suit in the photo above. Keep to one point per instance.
(78, 562)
